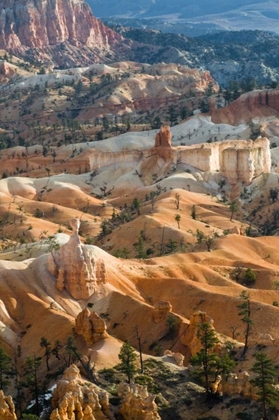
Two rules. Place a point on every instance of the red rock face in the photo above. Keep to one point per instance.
(45, 24)
(258, 103)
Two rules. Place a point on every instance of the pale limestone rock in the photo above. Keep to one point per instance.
(91, 326)
(7, 408)
(265, 339)
(73, 399)
(178, 357)
(136, 403)
(76, 267)
(161, 310)
(237, 160)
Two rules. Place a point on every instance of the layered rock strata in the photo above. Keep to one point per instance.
(91, 326)
(76, 268)
(55, 29)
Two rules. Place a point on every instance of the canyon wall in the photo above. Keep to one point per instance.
(237, 160)
(42, 26)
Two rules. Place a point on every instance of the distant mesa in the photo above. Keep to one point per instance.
(76, 268)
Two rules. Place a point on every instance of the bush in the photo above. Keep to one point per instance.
(249, 277)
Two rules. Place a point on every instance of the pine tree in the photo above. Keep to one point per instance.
(208, 363)
(128, 359)
(5, 369)
(31, 379)
(264, 381)
(47, 346)
(233, 208)
(245, 314)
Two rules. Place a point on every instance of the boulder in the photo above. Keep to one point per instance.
(91, 326)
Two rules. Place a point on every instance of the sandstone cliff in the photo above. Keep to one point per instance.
(65, 31)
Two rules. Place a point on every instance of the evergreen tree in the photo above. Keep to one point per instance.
(128, 359)
(264, 382)
(177, 218)
(208, 363)
(31, 379)
(245, 314)
(5, 369)
(233, 208)
(47, 346)
(136, 205)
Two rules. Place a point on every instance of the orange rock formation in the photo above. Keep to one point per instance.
(136, 403)
(7, 408)
(74, 399)
(76, 268)
(91, 326)
(163, 138)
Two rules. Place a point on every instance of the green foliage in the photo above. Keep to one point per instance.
(5, 369)
(30, 417)
(128, 359)
(177, 218)
(193, 212)
(172, 323)
(122, 253)
(106, 227)
(45, 344)
(202, 238)
(208, 363)
(31, 381)
(141, 253)
(245, 316)
(264, 381)
(233, 208)
(249, 277)
(273, 194)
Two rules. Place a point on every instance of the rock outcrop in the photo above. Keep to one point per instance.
(161, 310)
(237, 160)
(7, 407)
(190, 336)
(258, 103)
(163, 138)
(55, 30)
(73, 399)
(91, 326)
(178, 357)
(76, 267)
(136, 403)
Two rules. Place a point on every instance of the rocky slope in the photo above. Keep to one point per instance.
(228, 56)
(64, 33)
(126, 202)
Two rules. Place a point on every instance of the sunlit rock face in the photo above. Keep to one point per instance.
(76, 268)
